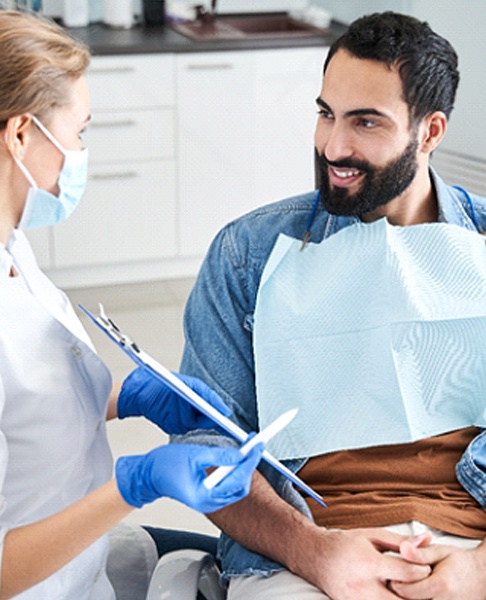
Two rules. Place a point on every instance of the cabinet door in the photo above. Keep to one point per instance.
(216, 130)
(287, 84)
(131, 136)
(133, 81)
(246, 126)
(127, 215)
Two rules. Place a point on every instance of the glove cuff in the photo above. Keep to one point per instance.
(127, 405)
(132, 475)
(122, 408)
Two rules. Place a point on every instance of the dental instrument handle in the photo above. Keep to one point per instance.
(264, 436)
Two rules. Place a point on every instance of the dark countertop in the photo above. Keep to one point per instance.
(104, 41)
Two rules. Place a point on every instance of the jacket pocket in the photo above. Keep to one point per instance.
(471, 469)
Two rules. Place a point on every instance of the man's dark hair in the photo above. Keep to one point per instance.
(426, 62)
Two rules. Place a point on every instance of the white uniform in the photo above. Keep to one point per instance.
(53, 399)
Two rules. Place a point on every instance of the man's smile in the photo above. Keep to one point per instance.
(344, 176)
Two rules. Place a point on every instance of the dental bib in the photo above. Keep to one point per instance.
(377, 335)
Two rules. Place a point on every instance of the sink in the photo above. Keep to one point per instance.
(249, 27)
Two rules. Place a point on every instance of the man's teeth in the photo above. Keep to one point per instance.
(346, 174)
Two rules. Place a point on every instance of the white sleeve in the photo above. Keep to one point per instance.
(3, 469)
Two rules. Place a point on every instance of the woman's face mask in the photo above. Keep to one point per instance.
(43, 208)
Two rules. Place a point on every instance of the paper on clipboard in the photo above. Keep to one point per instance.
(141, 358)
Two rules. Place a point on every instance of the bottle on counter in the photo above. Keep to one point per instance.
(75, 13)
(154, 12)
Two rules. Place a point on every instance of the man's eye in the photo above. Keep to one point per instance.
(325, 114)
(367, 123)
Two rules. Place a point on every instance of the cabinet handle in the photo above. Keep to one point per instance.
(120, 123)
(105, 70)
(208, 66)
(121, 175)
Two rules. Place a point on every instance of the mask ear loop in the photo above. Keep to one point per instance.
(48, 135)
(24, 170)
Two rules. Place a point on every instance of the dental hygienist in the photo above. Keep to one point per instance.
(57, 496)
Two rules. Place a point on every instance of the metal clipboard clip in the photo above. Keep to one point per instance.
(143, 359)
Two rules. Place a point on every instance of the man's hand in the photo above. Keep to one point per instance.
(355, 564)
(456, 573)
(346, 565)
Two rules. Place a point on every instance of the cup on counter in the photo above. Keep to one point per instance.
(75, 13)
(119, 14)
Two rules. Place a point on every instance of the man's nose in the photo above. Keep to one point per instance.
(336, 144)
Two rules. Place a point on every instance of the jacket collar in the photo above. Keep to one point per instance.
(452, 203)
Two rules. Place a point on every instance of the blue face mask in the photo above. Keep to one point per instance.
(43, 208)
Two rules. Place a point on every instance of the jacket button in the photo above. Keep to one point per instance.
(77, 352)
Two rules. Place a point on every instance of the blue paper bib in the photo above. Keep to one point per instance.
(377, 334)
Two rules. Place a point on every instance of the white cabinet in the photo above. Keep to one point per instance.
(179, 146)
(131, 81)
(245, 131)
(216, 127)
(287, 85)
(127, 218)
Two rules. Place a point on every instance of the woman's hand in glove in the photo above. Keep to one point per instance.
(142, 394)
(178, 471)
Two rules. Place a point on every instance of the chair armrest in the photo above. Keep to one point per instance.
(131, 561)
(180, 574)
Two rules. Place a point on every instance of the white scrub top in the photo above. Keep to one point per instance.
(53, 399)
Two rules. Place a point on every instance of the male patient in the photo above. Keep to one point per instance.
(374, 327)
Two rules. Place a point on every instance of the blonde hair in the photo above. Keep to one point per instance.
(37, 61)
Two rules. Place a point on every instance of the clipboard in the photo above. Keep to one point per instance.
(160, 372)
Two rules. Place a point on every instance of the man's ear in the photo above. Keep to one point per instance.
(16, 136)
(432, 130)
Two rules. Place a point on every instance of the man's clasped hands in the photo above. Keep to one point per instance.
(381, 565)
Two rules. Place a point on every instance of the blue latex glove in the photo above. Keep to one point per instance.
(178, 471)
(142, 394)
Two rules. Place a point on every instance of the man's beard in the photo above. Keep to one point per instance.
(380, 185)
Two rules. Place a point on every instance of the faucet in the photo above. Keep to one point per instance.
(205, 15)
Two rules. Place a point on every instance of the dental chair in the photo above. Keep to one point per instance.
(186, 575)
(136, 573)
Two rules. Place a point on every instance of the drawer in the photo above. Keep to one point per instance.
(128, 214)
(134, 135)
(135, 81)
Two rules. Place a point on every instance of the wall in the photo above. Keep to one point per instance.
(347, 11)
(231, 6)
(465, 30)
(54, 7)
(261, 5)
(461, 158)
(344, 11)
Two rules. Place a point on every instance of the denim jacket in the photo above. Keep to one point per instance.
(218, 327)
